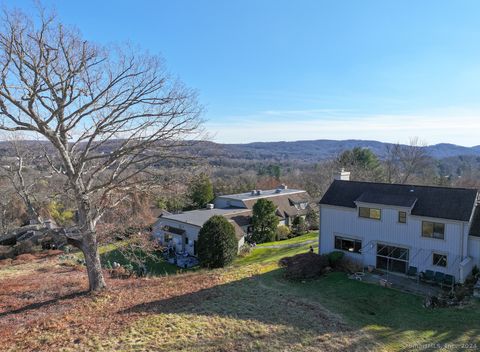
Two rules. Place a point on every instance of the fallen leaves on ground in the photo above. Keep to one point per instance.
(45, 306)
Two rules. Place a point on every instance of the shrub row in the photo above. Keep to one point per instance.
(310, 265)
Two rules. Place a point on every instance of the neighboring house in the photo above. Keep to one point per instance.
(180, 231)
(394, 226)
(290, 203)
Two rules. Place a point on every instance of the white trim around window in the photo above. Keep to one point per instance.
(440, 259)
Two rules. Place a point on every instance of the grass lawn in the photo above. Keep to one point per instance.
(155, 266)
(311, 236)
(248, 306)
(261, 255)
(396, 319)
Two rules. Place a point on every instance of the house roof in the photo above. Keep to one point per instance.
(264, 194)
(239, 233)
(286, 205)
(200, 217)
(242, 219)
(156, 212)
(435, 202)
(400, 200)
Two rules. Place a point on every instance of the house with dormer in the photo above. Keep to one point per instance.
(180, 231)
(397, 227)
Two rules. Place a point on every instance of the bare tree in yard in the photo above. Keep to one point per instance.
(12, 210)
(109, 115)
(402, 162)
(23, 185)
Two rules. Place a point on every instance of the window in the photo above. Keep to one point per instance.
(439, 260)
(186, 240)
(348, 244)
(174, 230)
(433, 229)
(370, 213)
(392, 258)
(402, 217)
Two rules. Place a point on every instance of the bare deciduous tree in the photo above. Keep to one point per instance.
(23, 185)
(109, 114)
(403, 161)
(12, 211)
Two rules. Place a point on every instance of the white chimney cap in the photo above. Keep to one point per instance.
(342, 175)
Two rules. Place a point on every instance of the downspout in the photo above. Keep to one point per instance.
(319, 226)
(461, 274)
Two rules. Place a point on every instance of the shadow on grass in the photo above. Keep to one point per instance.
(393, 318)
(251, 300)
(37, 305)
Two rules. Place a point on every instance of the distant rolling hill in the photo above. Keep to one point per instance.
(296, 151)
(324, 149)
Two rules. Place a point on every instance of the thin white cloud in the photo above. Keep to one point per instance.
(447, 126)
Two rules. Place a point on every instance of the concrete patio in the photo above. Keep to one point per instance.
(183, 261)
(399, 282)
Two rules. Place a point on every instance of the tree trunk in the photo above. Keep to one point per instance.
(92, 260)
(88, 244)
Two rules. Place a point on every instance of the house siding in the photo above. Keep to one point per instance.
(474, 249)
(346, 222)
(191, 232)
(221, 202)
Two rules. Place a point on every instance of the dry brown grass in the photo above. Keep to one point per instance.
(44, 307)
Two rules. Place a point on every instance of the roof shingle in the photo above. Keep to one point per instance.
(400, 200)
(435, 202)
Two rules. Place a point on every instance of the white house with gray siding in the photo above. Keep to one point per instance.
(393, 227)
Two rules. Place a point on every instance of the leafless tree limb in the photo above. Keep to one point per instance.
(109, 114)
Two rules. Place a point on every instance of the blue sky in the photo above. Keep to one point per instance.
(270, 70)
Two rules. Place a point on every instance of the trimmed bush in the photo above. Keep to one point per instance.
(283, 232)
(334, 258)
(349, 265)
(475, 271)
(305, 266)
(299, 226)
(245, 250)
(6, 252)
(461, 292)
(312, 218)
(217, 245)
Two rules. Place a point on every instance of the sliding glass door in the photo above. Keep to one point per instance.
(392, 258)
